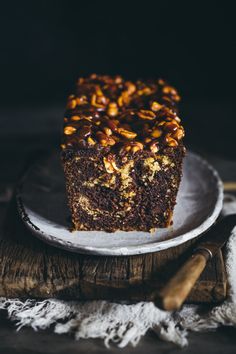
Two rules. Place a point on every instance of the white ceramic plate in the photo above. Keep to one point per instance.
(42, 205)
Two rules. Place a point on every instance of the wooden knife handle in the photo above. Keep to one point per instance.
(172, 296)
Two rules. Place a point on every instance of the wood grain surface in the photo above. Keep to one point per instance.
(30, 268)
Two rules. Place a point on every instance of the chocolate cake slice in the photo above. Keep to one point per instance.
(122, 153)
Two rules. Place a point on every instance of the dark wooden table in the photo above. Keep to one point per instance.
(24, 131)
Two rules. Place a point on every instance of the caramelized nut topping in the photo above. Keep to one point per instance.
(154, 147)
(91, 141)
(167, 99)
(133, 146)
(81, 100)
(69, 130)
(120, 101)
(98, 100)
(126, 133)
(135, 149)
(107, 131)
(75, 118)
(124, 99)
(161, 82)
(145, 91)
(155, 106)
(112, 110)
(169, 90)
(113, 124)
(130, 88)
(177, 119)
(176, 98)
(179, 134)
(147, 140)
(110, 164)
(118, 79)
(162, 123)
(171, 141)
(85, 131)
(156, 133)
(171, 127)
(108, 111)
(71, 104)
(136, 146)
(104, 139)
(146, 114)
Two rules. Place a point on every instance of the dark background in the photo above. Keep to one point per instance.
(46, 45)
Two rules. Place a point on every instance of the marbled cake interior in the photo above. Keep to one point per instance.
(139, 195)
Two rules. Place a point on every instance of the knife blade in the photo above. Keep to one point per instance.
(173, 294)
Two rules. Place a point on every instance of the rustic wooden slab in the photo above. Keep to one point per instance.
(30, 268)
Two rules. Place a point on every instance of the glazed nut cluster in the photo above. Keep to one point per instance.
(108, 112)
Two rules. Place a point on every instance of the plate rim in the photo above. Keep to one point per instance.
(121, 250)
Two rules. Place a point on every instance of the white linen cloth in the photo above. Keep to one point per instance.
(124, 323)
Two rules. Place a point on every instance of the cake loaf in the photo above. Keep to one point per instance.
(122, 153)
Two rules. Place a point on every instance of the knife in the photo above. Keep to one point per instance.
(173, 294)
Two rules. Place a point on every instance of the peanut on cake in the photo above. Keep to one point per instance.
(122, 153)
